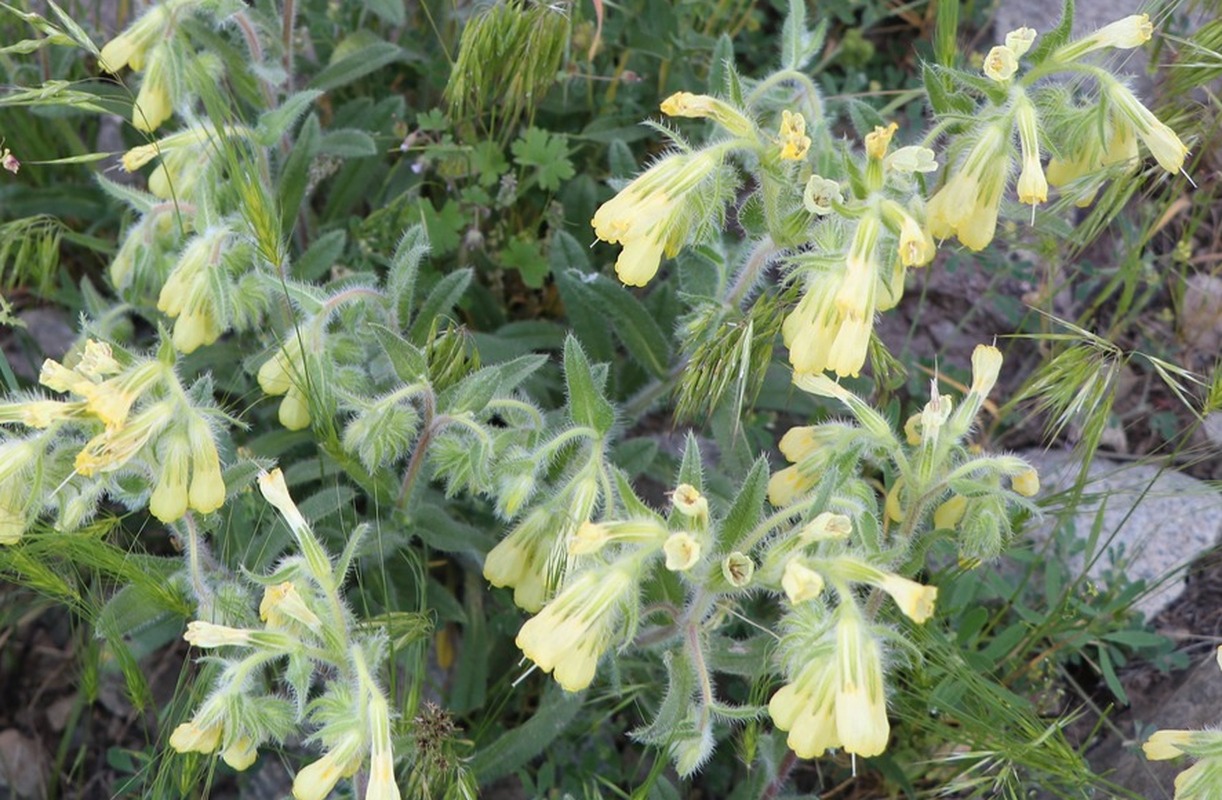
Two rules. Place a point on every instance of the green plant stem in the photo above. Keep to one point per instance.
(428, 406)
(203, 593)
(782, 775)
(764, 250)
(808, 91)
(289, 23)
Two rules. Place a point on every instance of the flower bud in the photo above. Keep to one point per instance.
(879, 139)
(826, 526)
(207, 635)
(1026, 483)
(1020, 41)
(947, 515)
(1167, 744)
(191, 737)
(240, 753)
(682, 552)
(800, 582)
(986, 365)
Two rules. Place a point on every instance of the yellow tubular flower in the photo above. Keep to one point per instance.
(695, 106)
(879, 139)
(113, 448)
(689, 502)
(570, 634)
(826, 526)
(1032, 185)
(947, 515)
(154, 104)
(282, 605)
(207, 492)
(169, 499)
(914, 599)
(682, 552)
(129, 47)
(1123, 34)
(861, 707)
(986, 366)
(967, 205)
(644, 215)
(316, 781)
(794, 141)
(807, 709)
(12, 517)
(1162, 142)
(787, 485)
(208, 635)
(191, 737)
(1020, 41)
(520, 559)
(240, 753)
(1165, 745)
(738, 570)
(382, 784)
(800, 582)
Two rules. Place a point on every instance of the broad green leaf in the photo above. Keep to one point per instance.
(723, 54)
(324, 251)
(406, 359)
(276, 123)
(404, 268)
(295, 174)
(515, 748)
(355, 65)
(744, 513)
(347, 143)
(794, 35)
(633, 324)
(587, 405)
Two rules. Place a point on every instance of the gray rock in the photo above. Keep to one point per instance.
(22, 765)
(1044, 15)
(1154, 520)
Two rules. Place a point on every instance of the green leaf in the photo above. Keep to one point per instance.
(276, 123)
(295, 174)
(745, 511)
(587, 405)
(635, 326)
(406, 359)
(583, 314)
(522, 253)
(444, 225)
(445, 295)
(723, 54)
(1055, 38)
(404, 268)
(517, 747)
(357, 64)
(794, 35)
(393, 12)
(514, 372)
(946, 31)
(620, 159)
(691, 469)
(347, 143)
(1108, 668)
(548, 153)
(322, 255)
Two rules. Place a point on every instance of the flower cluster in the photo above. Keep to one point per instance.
(146, 46)
(139, 421)
(307, 624)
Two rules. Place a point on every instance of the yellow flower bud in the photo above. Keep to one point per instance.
(1020, 41)
(294, 411)
(169, 499)
(1162, 142)
(154, 105)
(315, 781)
(1026, 483)
(947, 515)
(986, 365)
(241, 753)
(1032, 185)
(800, 582)
(191, 737)
(788, 485)
(686, 104)
(207, 492)
(682, 552)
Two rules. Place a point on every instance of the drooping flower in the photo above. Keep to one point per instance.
(316, 780)
(800, 582)
(830, 329)
(194, 737)
(1026, 483)
(967, 205)
(1166, 744)
(1161, 141)
(207, 492)
(130, 46)
(1032, 185)
(1123, 34)
(569, 636)
(1019, 41)
(169, 499)
(646, 217)
(682, 552)
(285, 374)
